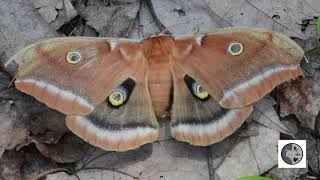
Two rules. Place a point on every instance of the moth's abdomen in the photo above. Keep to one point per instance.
(160, 86)
(159, 76)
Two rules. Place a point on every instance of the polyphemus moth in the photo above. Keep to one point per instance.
(113, 90)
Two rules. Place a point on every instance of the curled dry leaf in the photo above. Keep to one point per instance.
(47, 125)
(17, 117)
(302, 98)
(13, 131)
(10, 164)
(306, 103)
(13, 138)
(70, 148)
(34, 163)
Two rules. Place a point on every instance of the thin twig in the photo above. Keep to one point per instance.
(285, 27)
(72, 31)
(93, 159)
(114, 170)
(154, 16)
(209, 162)
(286, 130)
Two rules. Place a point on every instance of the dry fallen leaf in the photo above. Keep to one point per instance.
(109, 21)
(302, 98)
(20, 114)
(291, 123)
(55, 12)
(69, 11)
(218, 152)
(96, 174)
(252, 156)
(265, 114)
(10, 164)
(70, 148)
(144, 24)
(13, 138)
(165, 159)
(194, 16)
(47, 126)
(34, 163)
(283, 173)
(20, 25)
(313, 149)
(13, 131)
(49, 13)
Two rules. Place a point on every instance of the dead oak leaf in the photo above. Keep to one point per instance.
(69, 149)
(10, 164)
(302, 98)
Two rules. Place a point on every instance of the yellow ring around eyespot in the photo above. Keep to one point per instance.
(201, 95)
(235, 53)
(73, 54)
(116, 102)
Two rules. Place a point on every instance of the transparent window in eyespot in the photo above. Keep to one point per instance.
(235, 48)
(74, 56)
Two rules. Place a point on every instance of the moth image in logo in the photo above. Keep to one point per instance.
(292, 153)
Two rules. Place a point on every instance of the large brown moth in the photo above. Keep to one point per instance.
(113, 90)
